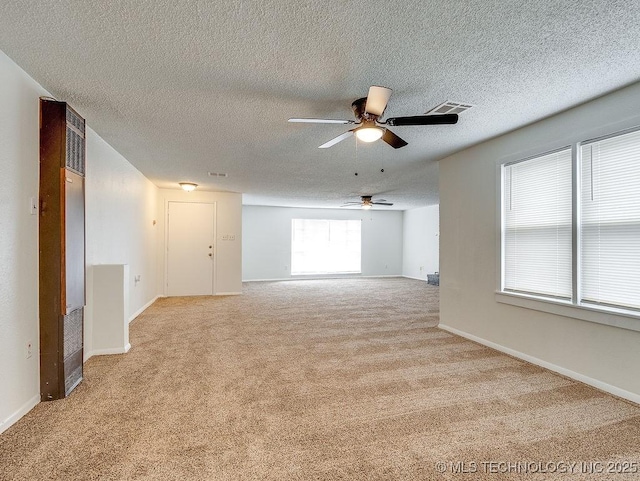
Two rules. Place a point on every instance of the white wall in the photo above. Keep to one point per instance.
(421, 246)
(19, 164)
(469, 233)
(121, 206)
(267, 240)
(228, 278)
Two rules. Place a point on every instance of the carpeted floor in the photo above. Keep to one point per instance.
(318, 380)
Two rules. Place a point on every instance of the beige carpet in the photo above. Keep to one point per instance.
(318, 380)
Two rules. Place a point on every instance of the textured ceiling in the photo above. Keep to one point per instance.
(182, 88)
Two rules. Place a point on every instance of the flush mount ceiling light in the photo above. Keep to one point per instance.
(369, 132)
(188, 186)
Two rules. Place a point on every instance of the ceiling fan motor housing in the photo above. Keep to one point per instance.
(358, 107)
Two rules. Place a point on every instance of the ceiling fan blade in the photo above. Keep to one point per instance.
(424, 120)
(392, 139)
(348, 204)
(382, 203)
(377, 100)
(321, 121)
(334, 141)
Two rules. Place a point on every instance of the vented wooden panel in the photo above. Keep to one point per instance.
(62, 248)
(72, 351)
(75, 153)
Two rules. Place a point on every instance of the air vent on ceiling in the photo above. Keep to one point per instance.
(217, 174)
(449, 107)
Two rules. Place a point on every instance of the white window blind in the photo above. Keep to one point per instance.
(325, 246)
(537, 217)
(610, 221)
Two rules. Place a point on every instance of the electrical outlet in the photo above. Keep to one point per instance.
(225, 237)
(232, 237)
(29, 349)
(421, 268)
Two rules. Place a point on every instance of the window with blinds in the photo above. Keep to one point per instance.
(539, 229)
(537, 225)
(610, 221)
(325, 246)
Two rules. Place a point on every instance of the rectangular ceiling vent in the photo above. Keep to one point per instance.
(449, 107)
(217, 174)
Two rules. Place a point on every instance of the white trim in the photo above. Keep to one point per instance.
(599, 315)
(416, 278)
(109, 351)
(616, 391)
(143, 308)
(228, 294)
(312, 278)
(24, 409)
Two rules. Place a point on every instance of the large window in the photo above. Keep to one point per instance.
(571, 224)
(325, 246)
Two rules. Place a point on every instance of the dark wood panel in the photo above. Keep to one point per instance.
(52, 146)
(61, 256)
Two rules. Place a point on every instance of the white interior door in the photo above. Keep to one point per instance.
(190, 249)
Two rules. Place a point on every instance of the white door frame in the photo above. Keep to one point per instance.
(165, 284)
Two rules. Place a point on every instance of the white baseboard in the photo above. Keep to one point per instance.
(143, 308)
(111, 350)
(24, 409)
(603, 386)
(416, 278)
(228, 293)
(319, 278)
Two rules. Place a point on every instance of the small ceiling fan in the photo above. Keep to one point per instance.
(369, 126)
(366, 202)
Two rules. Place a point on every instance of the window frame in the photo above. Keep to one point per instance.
(625, 318)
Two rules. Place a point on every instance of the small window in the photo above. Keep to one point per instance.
(325, 246)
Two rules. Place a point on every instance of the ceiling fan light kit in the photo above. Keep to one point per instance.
(368, 112)
(369, 132)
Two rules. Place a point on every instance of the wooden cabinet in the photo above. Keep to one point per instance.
(62, 248)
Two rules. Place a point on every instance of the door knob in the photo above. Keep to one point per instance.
(210, 247)
(210, 255)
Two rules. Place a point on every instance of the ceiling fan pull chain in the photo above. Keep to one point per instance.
(356, 156)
